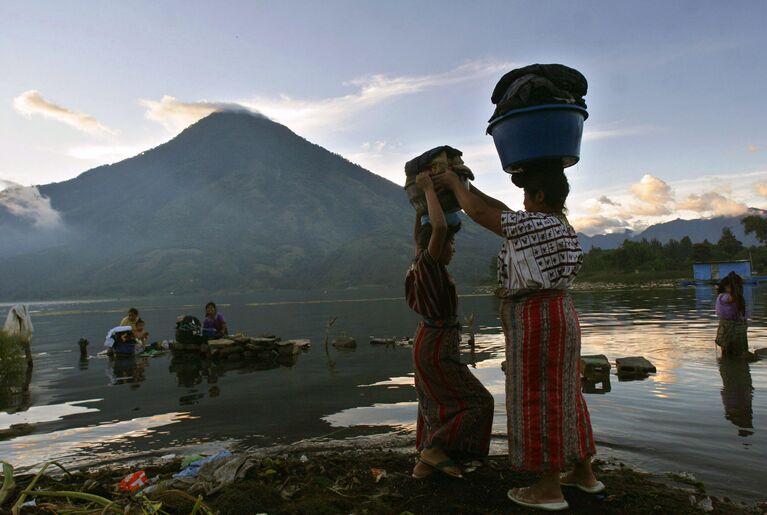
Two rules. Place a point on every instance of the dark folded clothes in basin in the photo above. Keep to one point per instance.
(539, 84)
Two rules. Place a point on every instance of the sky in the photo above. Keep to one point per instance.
(676, 96)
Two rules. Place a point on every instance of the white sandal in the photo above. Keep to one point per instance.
(597, 488)
(546, 506)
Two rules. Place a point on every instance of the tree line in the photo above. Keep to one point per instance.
(652, 256)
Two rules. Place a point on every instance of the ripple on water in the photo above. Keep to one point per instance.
(78, 445)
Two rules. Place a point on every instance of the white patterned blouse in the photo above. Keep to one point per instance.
(541, 252)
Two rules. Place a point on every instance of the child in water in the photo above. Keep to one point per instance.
(731, 311)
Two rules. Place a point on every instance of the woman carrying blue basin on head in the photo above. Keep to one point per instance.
(549, 428)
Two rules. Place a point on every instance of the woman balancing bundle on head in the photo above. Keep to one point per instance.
(455, 412)
(549, 428)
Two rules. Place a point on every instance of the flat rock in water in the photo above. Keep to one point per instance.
(595, 365)
(761, 353)
(286, 348)
(635, 365)
(264, 341)
(302, 343)
(345, 342)
(188, 347)
(221, 342)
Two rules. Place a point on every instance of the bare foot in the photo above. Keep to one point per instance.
(583, 479)
(434, 456)
(422, 470)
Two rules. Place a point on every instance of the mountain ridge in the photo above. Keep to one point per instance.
(237, 202)
(234, 202)
(697, 230)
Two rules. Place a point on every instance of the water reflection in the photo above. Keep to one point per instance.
(127, 370)
(737, 393)
(15, 378)
(194, 369)
(80, 444)
(672, 420)
(597, 385)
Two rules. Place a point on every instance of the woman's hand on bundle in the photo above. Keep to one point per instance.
(423, 181)
(446, 181)
(463, 169)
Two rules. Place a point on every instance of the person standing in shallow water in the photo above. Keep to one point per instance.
(455, 412)
(732, 333)
(549, 428)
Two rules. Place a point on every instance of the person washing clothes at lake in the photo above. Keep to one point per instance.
(140, 333)
(214, 324)
(455, 411)
(549, 428)
(732, 335)
(130, 319)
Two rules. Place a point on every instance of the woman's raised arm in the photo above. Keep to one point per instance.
(436, 216)
(486, 213)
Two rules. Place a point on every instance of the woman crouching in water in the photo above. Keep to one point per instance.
(455, 412)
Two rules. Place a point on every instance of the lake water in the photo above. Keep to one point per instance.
(694, 415)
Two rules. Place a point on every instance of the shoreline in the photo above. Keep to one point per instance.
(366, 474)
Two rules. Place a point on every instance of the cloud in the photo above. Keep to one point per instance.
(303, 114)
(714, 203)
(761, 188)
(652, 190)
(651, 197)
(604, 199)
(105, 153)
(27, 202)
(753, 148)
(371, 90)
(175, 115)
(31, 102)
(645, 209)
(595, 134)
(592, 225)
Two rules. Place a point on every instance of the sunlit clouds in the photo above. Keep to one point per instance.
(653, 200)
(599, 224)
(305, 115)
(176, 115)
(104, 153)
(712, 203)
(27, 203)
(32, 103)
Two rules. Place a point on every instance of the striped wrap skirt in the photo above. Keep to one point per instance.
(455, 411)
(732, 337)
(548, 422)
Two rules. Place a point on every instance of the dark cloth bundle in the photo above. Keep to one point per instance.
(437, 160)
(424, 161)
(189, 331)
(539, 84)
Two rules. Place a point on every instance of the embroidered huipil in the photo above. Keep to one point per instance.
(541, 252)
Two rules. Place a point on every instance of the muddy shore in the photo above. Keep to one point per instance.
(361, 476)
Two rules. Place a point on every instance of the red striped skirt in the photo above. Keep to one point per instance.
(548, 422)
(455, 411)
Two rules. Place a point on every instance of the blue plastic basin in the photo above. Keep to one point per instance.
(539, 132)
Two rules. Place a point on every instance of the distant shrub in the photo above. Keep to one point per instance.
(11, 351)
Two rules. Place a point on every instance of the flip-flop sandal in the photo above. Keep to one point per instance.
(443, 466)
(597, 488)
(546, 506)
